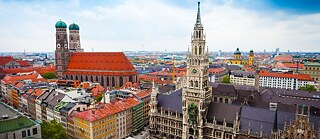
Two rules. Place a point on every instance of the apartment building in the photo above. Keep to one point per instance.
(284, 80)
(242, 77)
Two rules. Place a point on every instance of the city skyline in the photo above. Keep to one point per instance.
(130, 25)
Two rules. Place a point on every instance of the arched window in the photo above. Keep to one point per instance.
(86, 77)
(130, 78)
(67, 76)
(191, 131)
(191, 83)
(200, 50)
(121, 80)
(199, 34)
(113, 82)
(76, 77)
(81, 78)
(96, 78)
(195, 50)
(91, 78)
(71, 77)
(196, 84)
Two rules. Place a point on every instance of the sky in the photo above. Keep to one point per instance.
(159, 25)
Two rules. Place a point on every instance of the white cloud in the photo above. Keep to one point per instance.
(157, 25)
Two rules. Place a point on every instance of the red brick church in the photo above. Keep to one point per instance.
(107, 68)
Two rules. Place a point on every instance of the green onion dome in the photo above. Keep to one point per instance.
(74, 26)
(61, 24)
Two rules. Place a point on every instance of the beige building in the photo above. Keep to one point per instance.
(313, 69)
(242, 77)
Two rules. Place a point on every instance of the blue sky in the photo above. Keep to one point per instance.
(163, 24)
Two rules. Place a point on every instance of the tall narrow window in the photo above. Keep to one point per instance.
(195, 50)
(113, 82)
(121, 80)
(200, 50)
(102, 81)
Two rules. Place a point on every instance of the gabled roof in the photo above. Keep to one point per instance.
(222, 111)
(23, 63)
(35, 77)
(100, 63)
(5, 59)
(143, 94)
(107, 109)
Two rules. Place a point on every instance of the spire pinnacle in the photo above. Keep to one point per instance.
(198, 14)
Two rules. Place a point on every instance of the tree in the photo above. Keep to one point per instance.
(53, 130)
(308, 87)
(49, 75)
(99, 98)
(226, 79)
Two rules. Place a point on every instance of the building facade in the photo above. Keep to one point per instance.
(312, 69)
(242, 78)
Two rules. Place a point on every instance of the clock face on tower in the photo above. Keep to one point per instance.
(194, 71)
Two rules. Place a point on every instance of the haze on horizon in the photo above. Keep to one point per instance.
(156, 25)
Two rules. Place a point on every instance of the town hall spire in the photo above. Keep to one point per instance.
(198, 15)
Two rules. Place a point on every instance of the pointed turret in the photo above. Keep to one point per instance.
(198, 15)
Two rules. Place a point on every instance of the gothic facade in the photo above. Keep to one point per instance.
(199, 110)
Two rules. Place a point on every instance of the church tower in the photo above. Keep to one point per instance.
(62, 51)
(197, 95)
(74, 38)
(251, 58)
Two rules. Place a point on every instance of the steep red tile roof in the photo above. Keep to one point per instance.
(19, 84)
(304, 77)
(100, 63)
(107, 109)
(35, 77)
(5, 59)
(38, 92)
(143, 94)
(23, 63)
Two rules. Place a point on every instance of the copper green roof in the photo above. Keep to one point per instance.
(311, 64)
(15, 124)
(61, 24)
(237, 51)
(74, 26)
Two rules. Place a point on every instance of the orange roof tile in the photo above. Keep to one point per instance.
(283, 58)
(40, 70)
(107, 109)
(23, 63)
(303, 77)
(14, 78)
(5, 59)
(19, 84)
(143, 94)
(100, 63)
